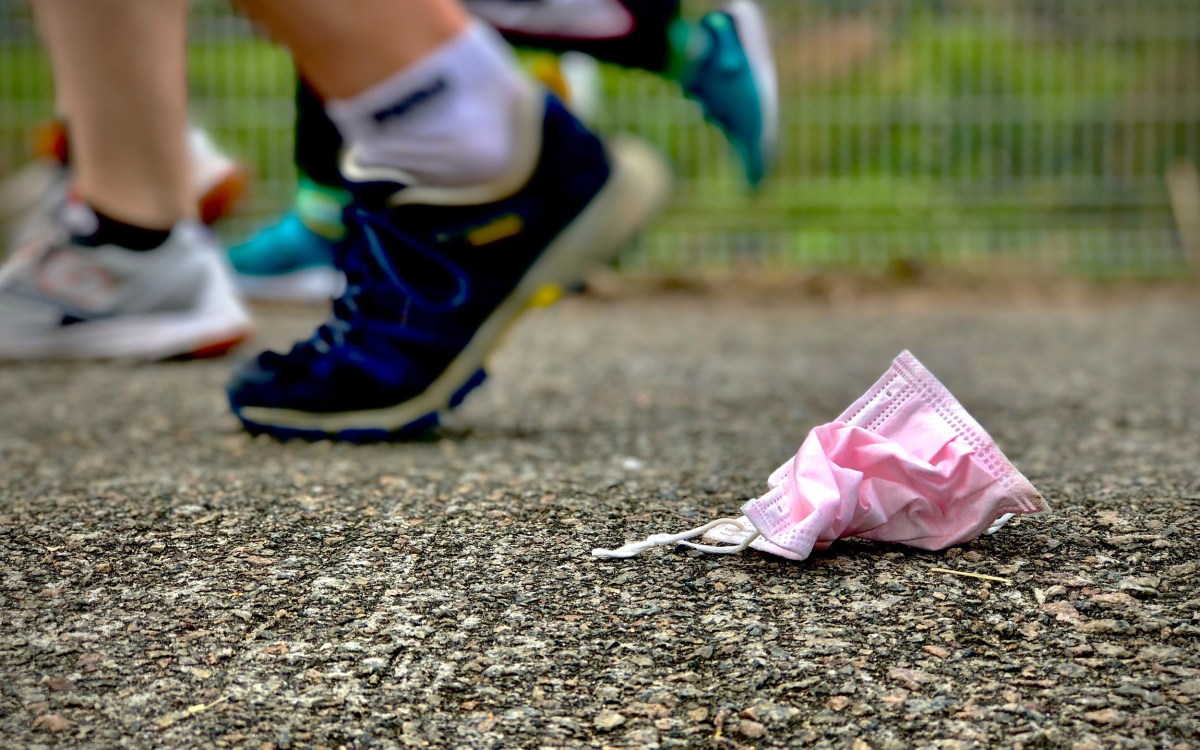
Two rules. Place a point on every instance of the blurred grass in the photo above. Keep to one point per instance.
(1037, 131)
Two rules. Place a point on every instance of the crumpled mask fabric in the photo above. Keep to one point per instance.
(905, 463)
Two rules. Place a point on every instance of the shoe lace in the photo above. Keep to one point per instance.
(377, 297)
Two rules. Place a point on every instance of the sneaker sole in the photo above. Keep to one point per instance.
(311, 285)
(636, 190)
(128, 337)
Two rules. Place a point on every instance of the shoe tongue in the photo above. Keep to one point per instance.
(371, 187)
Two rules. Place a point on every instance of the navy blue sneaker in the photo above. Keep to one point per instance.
(435, 275)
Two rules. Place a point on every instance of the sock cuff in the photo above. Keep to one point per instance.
(446, 120)
(455, 64)
(93, 228)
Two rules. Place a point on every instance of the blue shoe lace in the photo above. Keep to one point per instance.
(373, 308)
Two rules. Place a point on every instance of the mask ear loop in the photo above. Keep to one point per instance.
(662, 540)
(999, 523)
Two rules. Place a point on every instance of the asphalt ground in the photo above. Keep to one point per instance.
(168, 581)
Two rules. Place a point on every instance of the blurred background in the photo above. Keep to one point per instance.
(1056, 137)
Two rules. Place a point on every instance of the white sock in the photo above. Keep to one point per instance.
(447, 120)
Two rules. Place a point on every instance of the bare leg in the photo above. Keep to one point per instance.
(125, 90)
(347, 46)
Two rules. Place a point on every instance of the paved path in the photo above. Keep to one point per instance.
(166, 580)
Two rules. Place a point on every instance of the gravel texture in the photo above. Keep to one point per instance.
(167, 581)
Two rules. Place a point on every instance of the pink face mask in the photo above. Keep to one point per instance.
(905, 463)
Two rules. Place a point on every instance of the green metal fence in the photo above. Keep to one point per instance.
(1035, 133)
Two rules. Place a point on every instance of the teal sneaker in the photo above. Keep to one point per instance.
(292, 260)
(734, 80)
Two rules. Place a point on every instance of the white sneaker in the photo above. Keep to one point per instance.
(218, 181)
(31, 201)
(61, 300)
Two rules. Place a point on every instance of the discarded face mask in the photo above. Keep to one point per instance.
(905, 463)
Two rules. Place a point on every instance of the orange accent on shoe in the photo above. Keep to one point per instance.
(218, 349)
(50, 141)
(546, 296)
(501, 228)
(222, 197)
(547, 70)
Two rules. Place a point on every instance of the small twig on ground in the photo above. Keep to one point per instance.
(175, 716)
(970, 575)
